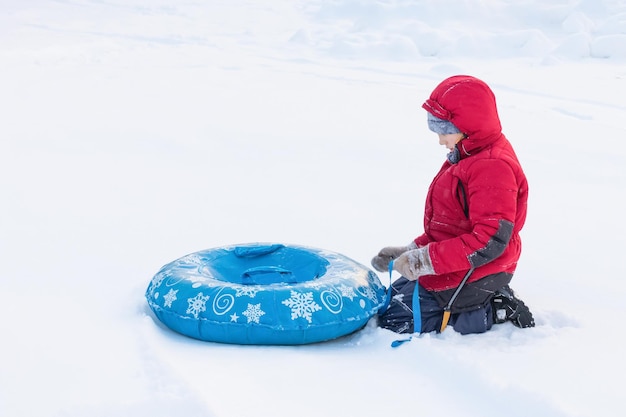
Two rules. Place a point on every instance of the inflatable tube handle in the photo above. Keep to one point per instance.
(256, 250)
(249, 275)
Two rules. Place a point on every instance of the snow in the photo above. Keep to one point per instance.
(134, 132)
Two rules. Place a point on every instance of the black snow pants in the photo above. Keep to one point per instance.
(409, 304)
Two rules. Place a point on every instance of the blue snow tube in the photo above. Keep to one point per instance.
(265, 294)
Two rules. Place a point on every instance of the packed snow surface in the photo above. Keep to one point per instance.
(134, 132)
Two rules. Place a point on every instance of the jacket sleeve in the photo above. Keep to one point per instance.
(492, 191)
(422, 240)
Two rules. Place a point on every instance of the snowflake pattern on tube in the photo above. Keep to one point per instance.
(302, 305)
(197, 304)
(253, 313)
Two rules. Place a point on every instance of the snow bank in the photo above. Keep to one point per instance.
(412, 30)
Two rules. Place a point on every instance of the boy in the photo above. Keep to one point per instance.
(460, 267)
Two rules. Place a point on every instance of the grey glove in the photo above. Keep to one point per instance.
(387, 254)
(414, 263)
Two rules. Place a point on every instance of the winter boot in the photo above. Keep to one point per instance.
(506, 307)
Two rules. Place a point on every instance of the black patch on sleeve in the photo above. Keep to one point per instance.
(495, 247)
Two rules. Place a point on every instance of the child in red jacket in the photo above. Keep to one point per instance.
(459, 269)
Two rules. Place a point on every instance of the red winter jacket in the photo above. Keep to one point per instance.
(476, 207)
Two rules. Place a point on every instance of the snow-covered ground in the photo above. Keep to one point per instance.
(133, 132)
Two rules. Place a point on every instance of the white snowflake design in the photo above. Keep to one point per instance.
(253, 313)
(315, 285)
(196, 280)
(369, 293)
(169, 298)
(157, 280)
(193, 259)
(346, 291)
(197, 304)
(302, 305)
(373, 280)
(246, 290)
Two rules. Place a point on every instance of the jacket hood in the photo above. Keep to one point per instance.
(470, 105)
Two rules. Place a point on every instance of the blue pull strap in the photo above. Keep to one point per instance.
(417, 309)
(417, 313)
(399, 342)
(385, 305)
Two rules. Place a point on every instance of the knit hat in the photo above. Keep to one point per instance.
(443, 127)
